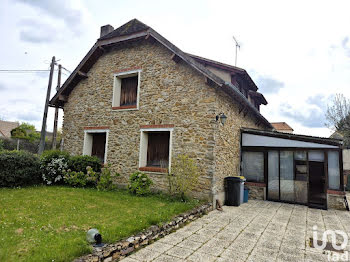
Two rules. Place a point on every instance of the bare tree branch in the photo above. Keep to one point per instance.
(338, 111)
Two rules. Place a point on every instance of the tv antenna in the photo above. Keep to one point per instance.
(237, 47)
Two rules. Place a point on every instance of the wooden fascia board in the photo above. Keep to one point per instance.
(122, 38)
(62, 98)
(74, 73)
(82, 74)
(175, 58)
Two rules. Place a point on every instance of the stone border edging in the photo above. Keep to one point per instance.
(121, 249)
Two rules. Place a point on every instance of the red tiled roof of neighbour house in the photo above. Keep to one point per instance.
(6, 127)
(135, 30)
(281, 126)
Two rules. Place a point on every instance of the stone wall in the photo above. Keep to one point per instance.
(335, 201)
(170, 93)
(114, 252)
(227, 141)
(256, 190)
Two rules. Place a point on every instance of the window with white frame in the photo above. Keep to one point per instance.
(95, 143)
(126, 90)
(155, 149)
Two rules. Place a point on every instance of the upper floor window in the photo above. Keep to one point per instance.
(126, 90)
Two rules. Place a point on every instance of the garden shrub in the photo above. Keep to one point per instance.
(139, 184)
(183, 177)
(74, 178)
(80, 163)
(53, 164)
(19, 168)
(105, 179)
(101, 180)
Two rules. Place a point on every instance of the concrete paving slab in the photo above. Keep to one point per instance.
(256, 231)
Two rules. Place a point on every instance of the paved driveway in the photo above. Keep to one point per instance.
(256, 231)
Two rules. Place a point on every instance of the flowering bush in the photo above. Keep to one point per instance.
(53, 171)
(139, 184)
(53, 165)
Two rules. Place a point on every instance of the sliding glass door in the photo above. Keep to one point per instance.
(273, 184)
(281, 176)
(287, 176)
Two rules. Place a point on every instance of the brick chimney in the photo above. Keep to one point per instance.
(106, 29)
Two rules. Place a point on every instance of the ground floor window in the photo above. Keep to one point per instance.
(158, 149)
(155, 150)
(95, 144)
(253, 166)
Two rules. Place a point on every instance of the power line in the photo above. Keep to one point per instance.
(23, 70)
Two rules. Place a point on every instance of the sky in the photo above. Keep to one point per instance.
(297, 52)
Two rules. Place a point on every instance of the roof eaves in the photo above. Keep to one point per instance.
(227, 66)
(248, 104)
(321, 140)
(186, 57)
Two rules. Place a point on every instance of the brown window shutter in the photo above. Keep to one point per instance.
(128, 94)
(158, 149)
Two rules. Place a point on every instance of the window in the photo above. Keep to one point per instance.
(333, 170)
(158, 149)
(155, 150)
(253, 166)
(128, 94)
(95, 144)
(126, 90)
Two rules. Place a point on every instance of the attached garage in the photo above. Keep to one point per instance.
(293, 168)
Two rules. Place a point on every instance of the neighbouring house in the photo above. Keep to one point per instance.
(282, 127)
(6, 127)
(136, 101)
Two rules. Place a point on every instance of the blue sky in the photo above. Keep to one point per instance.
(297, 52)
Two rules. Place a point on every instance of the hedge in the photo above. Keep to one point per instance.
(80, 163)
(19, 168)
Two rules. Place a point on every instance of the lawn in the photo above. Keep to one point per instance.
(50, 223)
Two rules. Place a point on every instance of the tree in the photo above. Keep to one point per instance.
(25, 131)
(337, 111)
(338, 116)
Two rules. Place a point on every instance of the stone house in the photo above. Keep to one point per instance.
(282, 127)
(6, 127)
(136, 101)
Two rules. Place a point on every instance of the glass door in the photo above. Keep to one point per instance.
(273, 182)
(301, 177)
(287, 176)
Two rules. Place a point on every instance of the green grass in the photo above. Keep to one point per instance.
(50, 223)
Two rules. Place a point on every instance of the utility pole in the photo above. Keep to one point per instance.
(54, 135)
(237, 47)
(43, 127)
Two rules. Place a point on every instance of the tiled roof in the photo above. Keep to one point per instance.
(137, 30)
(281, 126)
(130, 27)
(6, 127)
